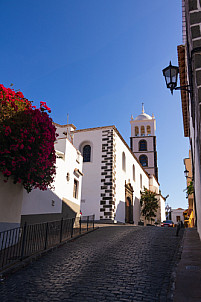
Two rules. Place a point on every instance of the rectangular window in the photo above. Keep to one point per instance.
(75, 189)
(140, 181)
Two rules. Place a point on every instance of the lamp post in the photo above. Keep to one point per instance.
(171, 75)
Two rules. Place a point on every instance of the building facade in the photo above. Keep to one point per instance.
(113, 176)
(177, 215)
(189, 58)
(191, 207)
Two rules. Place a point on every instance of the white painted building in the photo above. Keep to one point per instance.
(64, 199)
(113, 176)
(177, 215)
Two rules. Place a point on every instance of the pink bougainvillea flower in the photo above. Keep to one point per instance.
(27, 138)
(7, 130)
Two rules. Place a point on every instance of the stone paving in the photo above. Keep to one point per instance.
(120, 263)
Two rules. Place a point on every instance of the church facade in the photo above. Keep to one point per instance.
(115, 174)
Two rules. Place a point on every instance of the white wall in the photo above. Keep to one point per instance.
(162, 204)
(10, 204)
(153, 184)
(91, 192)
(160, 215)
(145, 123)
(122, 176)
(60, 144)
(50, 201)
(177, 212)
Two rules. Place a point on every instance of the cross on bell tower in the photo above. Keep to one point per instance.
(142, 107)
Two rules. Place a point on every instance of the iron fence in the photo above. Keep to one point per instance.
(19, 243)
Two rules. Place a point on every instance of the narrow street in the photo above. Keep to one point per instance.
(117, 263)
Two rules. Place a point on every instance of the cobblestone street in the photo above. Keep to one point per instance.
(117, 263)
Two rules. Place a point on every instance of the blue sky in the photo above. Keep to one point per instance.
(98, 60)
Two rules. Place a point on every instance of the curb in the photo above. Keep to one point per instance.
(25, 262)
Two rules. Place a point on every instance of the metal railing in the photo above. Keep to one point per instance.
(19, 243)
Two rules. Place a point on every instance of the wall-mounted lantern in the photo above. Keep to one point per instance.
(171, 75)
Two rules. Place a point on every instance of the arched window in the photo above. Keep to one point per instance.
(142, 131)
(143, 160)
(143, 145)
(134, 172)
(86, 153)
(136, 131)
(148, 130)
(123, 161)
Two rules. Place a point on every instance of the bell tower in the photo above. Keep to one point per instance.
(143, 141)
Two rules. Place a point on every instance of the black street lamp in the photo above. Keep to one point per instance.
(186, 172)
(171, 74)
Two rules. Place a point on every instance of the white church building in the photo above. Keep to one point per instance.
(114, 173)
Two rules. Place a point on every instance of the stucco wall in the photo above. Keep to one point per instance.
(160, 215)
(175, 213)
(10, 204)
(153, 185)
(145, 123)
(91, 191)
(127, 176)
(50, 201)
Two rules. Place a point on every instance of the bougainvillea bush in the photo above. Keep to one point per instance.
(27, 138)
